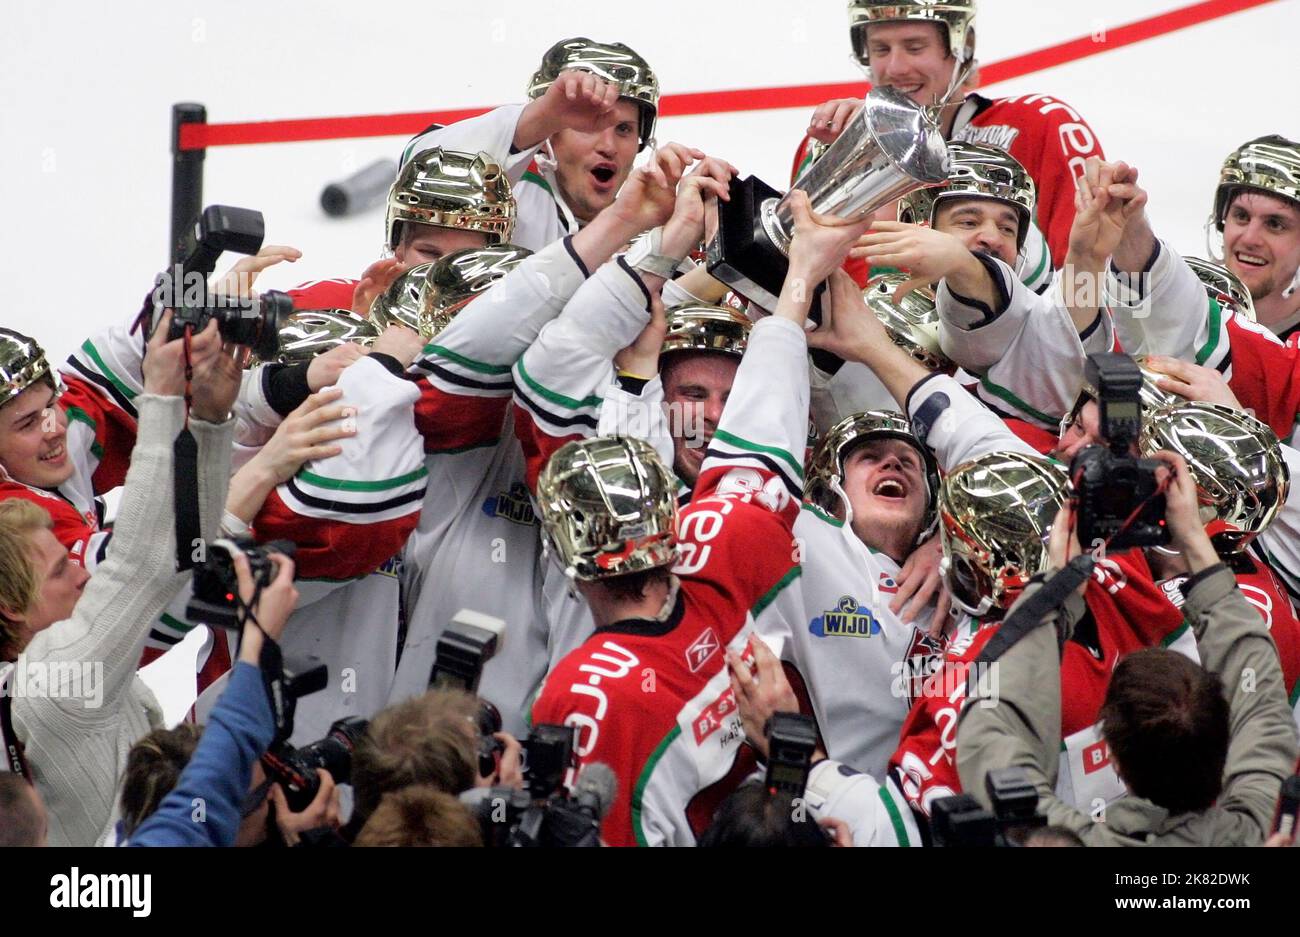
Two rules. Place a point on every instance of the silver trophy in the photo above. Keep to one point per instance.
(890, 148)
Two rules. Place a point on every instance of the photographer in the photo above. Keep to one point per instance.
(79, 745)
(239, 729)
(429, 740)
(1175, 730)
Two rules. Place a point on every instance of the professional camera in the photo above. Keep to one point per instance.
(216, 588)
(791, 741)
(1120, 503)
(544, 814)
(464, 647)
(250, 321)
(297, 769)
(961, 821)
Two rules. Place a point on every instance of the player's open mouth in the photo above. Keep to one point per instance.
(890, 488)
(54, 455)
(1250, 260)
(604, 173)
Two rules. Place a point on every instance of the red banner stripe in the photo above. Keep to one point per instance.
(201, 136)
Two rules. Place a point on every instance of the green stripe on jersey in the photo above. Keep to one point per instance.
(340, 484)
(1295, 694)
(1042, 262)
(89, 348)
(895, 818)
(1215, 318)
(770, 596)
(554, 397)
(534, 178)
(756, 447)
(638, 792)
(176, 623)
(997, 390)
(821, 515)
(1174, 635)
(481, 367)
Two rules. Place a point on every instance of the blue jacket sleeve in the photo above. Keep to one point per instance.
(203, 809)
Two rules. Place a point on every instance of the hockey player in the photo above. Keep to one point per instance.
(1257, 213)
(479, 516)
(608, 509)
(592, 107)
(926, 49)
(442, 200)
(987, 205)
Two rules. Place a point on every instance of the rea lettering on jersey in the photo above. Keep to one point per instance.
(847, 620)
(513, 505)
(701, 649)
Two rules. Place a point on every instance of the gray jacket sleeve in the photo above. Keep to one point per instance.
(138, 577)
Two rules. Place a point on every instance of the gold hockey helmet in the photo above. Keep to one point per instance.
(913, 325)
(1241, 477)
(311, 332)
(955, 16)
(705, 327)
(1268, 164)
(22, 364)
(428, 296)
(976, 170)
(615, 63)
(995, 515)
(449, 189)
(608, 507)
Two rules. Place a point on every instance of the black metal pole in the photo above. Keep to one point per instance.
(187, 177)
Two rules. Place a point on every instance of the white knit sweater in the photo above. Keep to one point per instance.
(78, 751)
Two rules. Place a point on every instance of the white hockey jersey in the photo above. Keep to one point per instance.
(543, 217)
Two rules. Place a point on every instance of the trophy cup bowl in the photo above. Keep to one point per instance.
(890, 148)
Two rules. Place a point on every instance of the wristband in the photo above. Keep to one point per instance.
(644, 255)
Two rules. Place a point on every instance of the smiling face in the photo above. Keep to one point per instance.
(1261, 241)
(33, 434)
(912, 57)
(696, 388)
(885, 481)
(984, 225)
(592, 167)
(1083, 430)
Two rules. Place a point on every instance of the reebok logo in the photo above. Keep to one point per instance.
(701, 649)
(103, 891)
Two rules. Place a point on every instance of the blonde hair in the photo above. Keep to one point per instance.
(19, 583)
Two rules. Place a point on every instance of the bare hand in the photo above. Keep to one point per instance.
(1063, 543)
(649, 196)
(820, 242)
(400, 342)
(849, 329)
(641, 358)
(163, 367)
(928, 255)
(1193, 381)
(376, 278)
(830, 119)
(323, 811)
(276, 602)
(1182, 507)
(838, 831)
(238, 280)
(921, 581)
(325, 368)
(510, 766)
(217, 380)
(306, 435)
(579, 100)
(710, 179)
(760, 692)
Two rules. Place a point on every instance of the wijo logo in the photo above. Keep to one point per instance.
(105, 890)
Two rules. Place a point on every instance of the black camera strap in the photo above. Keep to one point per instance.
(1031, 613)
(185, 466)
(14, 755)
